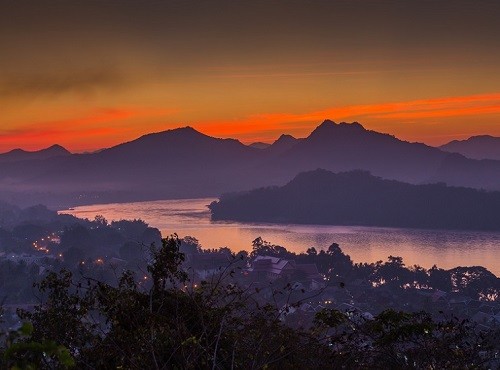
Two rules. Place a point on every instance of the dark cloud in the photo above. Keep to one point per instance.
(181, 36)
(77, 82)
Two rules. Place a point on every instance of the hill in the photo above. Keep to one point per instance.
(476, 147)
(358, 198)
(17, 155)
(349, 146)
(170, 164)
(283, 144)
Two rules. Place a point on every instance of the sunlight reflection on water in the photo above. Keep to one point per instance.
(446, 248)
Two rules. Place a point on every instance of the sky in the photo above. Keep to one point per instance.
(89, 74)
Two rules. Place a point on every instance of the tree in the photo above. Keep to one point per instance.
(73, 256)
(312, 251)
(77, 236)
(399, 340)
(131, 251)
(339, 263)
(393, 273)
(190, 245)
(264, 248)
(28, 354)
(161, 320)
(476, 282)
(100, 221)
(132, 230)
(151, 236)
(440, 279)
(165, 324)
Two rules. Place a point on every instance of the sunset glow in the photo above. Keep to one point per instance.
(94, 74)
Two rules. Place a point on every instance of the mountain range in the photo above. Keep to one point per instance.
(476, 147)
(184, 163)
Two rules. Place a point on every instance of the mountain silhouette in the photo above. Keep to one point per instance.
(17, 155)
(282, 144)
(170, 164)
(358, 198)
(259, 145)
(185, 163)
(476, 147)
(349, 146)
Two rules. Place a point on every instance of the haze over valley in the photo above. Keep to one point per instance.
(185, 163)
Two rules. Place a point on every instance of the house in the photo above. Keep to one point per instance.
(267, 268)
(271, 268)
(310, 275)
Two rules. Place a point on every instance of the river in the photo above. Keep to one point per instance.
(445, 248)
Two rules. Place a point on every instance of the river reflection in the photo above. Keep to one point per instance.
(446, 248)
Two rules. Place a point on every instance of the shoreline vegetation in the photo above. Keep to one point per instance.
(357, 198)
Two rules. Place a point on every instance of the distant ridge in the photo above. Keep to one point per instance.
(348, 146)
(185, 140)
(282, 144)
(476, 147)
(16, 155)
(259, 145)
(358, 198)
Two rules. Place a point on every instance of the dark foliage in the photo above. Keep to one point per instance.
(357, 198)
(161, 320)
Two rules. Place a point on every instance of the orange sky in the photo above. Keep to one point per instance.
(88, 75)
